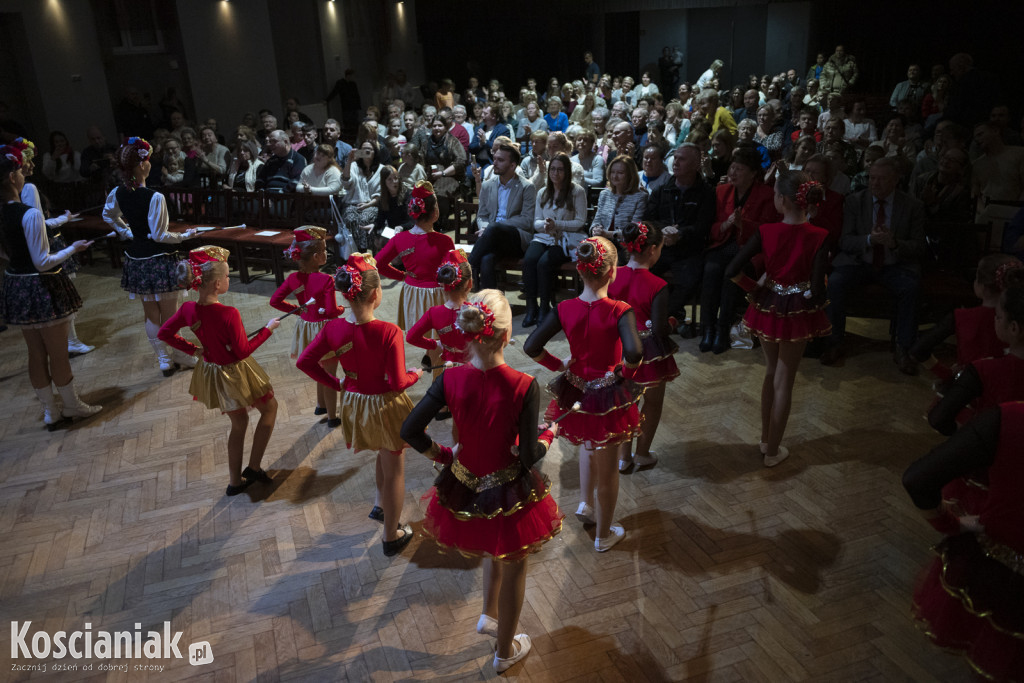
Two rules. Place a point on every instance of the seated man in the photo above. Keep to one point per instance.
(749, 108)
(281, 171)
(504, 221)
(685, 207)
(486, 132)
(883, 241)
(654, 173)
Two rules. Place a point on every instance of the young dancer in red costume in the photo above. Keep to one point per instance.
(310, 250)
(601, 332)
(225, 377)
(422, 251)
(974, 327)
(971, 599)
(648, 295)
(456, 277)
(372, 356)
(789, 309)
(488, 500)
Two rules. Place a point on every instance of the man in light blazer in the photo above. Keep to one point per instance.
(883, 241)
(505, 219)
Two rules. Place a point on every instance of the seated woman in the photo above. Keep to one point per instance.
(531, 123)
(172, 162)
(745, 131)
(323, 176)
(445, 161)
(559, 220)
(394, 199)
(361, 180)
(582, 113)
(591, 162)
(743, 204)
(619, 204)
(245, 163)
(768, 133)
(556, 119)
(802, 150)
(721, 156)
(411, 171)
(212, 162)
(61, 163)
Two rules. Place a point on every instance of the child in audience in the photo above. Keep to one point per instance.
(789, 309)
(489, 501)
(648, 295)
(975, 327)
(225, 376)
(309, 248)
(372, 356)
(601, 332)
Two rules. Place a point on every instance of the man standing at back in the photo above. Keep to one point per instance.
(591, 71)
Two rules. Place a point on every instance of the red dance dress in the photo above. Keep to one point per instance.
(638, 287)
(779, 311)
(442, 320)
(971, 598)
(608, 413)
(374, 403)
(976, 334)
(306, 286)
(226, 377)
(488, 501)
(422, 253)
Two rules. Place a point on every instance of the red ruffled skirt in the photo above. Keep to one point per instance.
(974, 604)
(785, 317)
(658, 364)
(608, 413)
(506, 522)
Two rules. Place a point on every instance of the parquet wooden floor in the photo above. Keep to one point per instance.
(729, 572)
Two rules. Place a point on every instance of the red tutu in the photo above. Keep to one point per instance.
(658, 364)
(506, 522)
(607, 415)
(778, 317)
(973, 604)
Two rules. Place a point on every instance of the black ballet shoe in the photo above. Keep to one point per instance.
(171, 370)
(377, 514)
(396, 546)
(320, 410)
(707, 340)
(425, 363)
(333, 422)
(235, 490)
(261, 476)
(723, 342)
(688, 331)
(443, 415)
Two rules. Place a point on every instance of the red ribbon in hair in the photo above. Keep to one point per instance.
(594, 266)
(455, 257)
(637, 245)
(488, 328)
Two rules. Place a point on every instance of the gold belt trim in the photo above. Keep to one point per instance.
(406, 252)
(586, 385)
(488, 481)
(446, 329)
(351, 375)
(1004, 555)
(798, 288)
(644, 334)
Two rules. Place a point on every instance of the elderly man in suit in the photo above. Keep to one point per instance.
(883, 241)
(505, 219)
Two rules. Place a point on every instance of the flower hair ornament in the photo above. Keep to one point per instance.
(26, 147)
(1003, 270)
(205, 254)
(637, 245)
(307, 233)
(133, 152)
(801, 193)
(355, 267)
(417, 202)
(594, 266)
(142, 148)
(14, 154)
(488, 315)
(455, 257)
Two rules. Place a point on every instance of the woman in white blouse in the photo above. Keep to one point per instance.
(589, 160)
(559, 221)
(323, 176)
(361, 181)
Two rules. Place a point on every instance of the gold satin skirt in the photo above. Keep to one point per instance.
(305, 333)
(371, 422)
(414, 301)
(230, 387)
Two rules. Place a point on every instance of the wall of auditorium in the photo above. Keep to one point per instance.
(65, 57)
(230, 51)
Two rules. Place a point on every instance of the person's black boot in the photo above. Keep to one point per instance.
(707, 338)
(532, 316)
(723, 340)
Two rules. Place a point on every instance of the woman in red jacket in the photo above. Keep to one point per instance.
(742, 205)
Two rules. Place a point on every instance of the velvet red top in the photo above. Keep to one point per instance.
(976, 334)
(219, 329)
(421, 254)
(487, 406)
(306, 286)
(759, 208)
(789, 251)
(593, 333)
(440, 318)
(1002, 379)
(371, 354)
(830, 216)
(1003, 516)
(637, 287)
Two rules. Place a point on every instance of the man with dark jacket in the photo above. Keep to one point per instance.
(281, 171)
